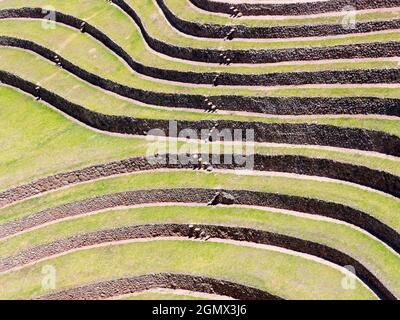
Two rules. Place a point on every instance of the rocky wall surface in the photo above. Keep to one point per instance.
(129, 285)
(348, 51)
(296, 8)
(209, 30)
(362, 175)
(185, 231)
(193, 195)
(291, 133)
(269, 105)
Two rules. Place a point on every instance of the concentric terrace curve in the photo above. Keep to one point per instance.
(183, 231)
(352, 51)
(128, 285)
(224, 78)
(269, 105)
(292, 133)
(378, 180)
(291, 8)
(195, 195)
(241, 31)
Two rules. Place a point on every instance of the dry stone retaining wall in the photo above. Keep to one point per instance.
(269, 105)
(184, 231)
(352, 51)
(207, 30)
(375, 179)
(297, 8)
(129, 285)
(193, 195)
(291, 133)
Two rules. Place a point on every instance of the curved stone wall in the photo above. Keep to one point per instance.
(363, 76)
(128, 285)
(352, 51)
(291, 133)
(297, 8)
(269, 105)
(208, 30)
(361, 175)
(192, 195)
(182, 230)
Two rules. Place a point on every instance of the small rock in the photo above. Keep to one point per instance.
(222, 198)
(197, 232)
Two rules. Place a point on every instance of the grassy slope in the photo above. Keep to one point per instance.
(126, 34)
(280, 273)
(83, 50)
(186, 11)
(154, 21)
(70, 136)
(41, 71)
(91, 55)
(381, 206)
(28, 152)
(374, 255)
